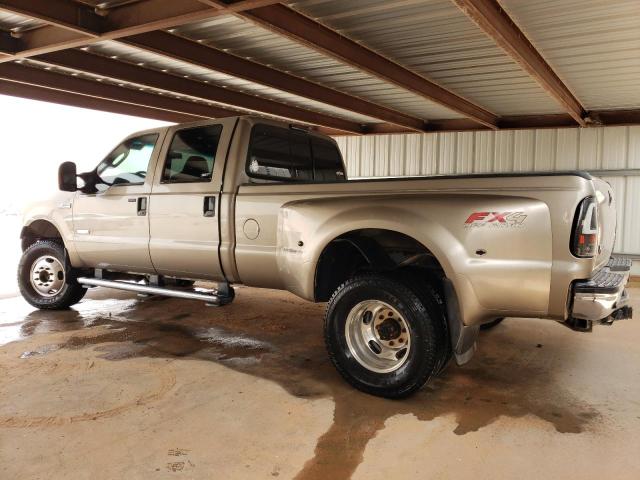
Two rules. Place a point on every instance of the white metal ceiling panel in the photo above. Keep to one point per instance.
(176, 67)
(592, 45)
(247, 40)
(436, 40)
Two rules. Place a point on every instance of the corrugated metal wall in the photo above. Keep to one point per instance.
(610, 152)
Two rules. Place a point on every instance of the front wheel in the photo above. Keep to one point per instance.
(43, 279)
(386, 338)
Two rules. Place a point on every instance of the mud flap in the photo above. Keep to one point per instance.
(463, 338)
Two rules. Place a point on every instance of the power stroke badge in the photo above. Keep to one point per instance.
(495, 220)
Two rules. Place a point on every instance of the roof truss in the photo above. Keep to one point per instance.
(70, 24)
(32, 92)
(117, 70)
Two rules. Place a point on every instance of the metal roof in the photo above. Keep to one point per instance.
(435, 39)
(243, 38)
(183, 69)
(593, 45)
(16, 23)
(357, 66)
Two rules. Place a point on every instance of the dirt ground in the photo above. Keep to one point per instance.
(122, 387)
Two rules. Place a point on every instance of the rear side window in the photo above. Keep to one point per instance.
(327, 161)
(283, 154)
(192, 155)
(279, 153)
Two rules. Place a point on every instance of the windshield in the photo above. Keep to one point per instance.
(127, 164)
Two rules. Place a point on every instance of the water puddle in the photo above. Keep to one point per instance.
(275, 337)
(42, 350)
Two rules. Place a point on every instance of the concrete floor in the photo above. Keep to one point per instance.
(162, 388)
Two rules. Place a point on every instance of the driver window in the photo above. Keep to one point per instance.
(128, 163)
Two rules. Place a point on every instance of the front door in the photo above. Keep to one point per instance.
(111, 220)
(184, 210)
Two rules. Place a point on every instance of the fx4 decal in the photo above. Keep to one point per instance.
(495, 219)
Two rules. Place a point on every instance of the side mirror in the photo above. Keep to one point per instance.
(67, 181)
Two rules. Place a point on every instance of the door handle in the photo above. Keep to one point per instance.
(209, 208)
(142, 206)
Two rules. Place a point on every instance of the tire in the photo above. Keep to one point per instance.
(491, 324)
(419, 315)
(48, 257)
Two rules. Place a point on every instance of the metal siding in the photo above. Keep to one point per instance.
(464, 153)
(567, 149)
(619, 187)
(483, 155)
(589, 157)
(503, 151)
(614, 147)
(367, 151)
(413, 154)
(545, 149)
(430, 149)
(381, 167)
(523, 151)
(397, 156)
(447, 153)
(631, 242)
(352, 152)
(633, 160)
(596, 148)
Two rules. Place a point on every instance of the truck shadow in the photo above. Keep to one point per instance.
(274, 336)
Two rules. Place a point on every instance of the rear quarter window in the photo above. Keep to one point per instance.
(287, 155)
(327, 161)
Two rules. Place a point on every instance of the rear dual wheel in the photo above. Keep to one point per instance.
(386, 335)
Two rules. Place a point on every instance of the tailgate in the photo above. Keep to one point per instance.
(606, 220)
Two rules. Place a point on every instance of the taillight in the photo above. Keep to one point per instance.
(584, 242)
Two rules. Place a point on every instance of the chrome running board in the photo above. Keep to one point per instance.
(210, 298)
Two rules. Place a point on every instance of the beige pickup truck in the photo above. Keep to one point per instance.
(411, 268)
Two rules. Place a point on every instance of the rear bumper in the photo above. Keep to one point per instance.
(603, 298)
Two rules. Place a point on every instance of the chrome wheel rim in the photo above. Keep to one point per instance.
(377, 335)
(47, 276)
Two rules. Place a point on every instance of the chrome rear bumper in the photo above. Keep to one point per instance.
(603, 298)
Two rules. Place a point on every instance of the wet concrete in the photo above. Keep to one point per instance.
(117, 362)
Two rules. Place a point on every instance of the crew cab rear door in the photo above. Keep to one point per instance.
(184, 212)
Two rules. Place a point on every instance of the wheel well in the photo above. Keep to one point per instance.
(368, 250)
(38, 230)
